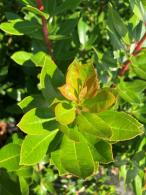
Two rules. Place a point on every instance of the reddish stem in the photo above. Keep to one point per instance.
(40, 5)
(138, 48)
(139, 45)
(125, 68)
(45, 27)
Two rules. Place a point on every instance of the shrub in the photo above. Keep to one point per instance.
(81, 72)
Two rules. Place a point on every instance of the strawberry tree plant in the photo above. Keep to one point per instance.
(74, 117)
(79, 124)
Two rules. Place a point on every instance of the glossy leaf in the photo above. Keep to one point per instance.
(91, 123)
(21, 27)
(65, 113)
(36, 11)
(34, 148)
(122, 125)
(137, 8)
(82, 32)
(91, 139)
(70, 131)
(103, 152)
(37, 121)
(24, 186)
(56, 160)
(76, 158)
(20, 57)
(132, 91)
(25, 171)
(39, 58)
(138, 185)
(9, 27)
(139, 64)
(30, 2)
(51, 77)
(33, 101)
(118, 24)
(30, 28)
(10, 156)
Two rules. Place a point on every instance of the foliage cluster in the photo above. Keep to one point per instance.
(73, 114)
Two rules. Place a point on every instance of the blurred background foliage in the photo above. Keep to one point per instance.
(84, 29)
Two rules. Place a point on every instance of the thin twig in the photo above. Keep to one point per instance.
(125, 68)
(45, 27)
(138, 48)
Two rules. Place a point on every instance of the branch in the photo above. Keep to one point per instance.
(139, 45)
(45, 27)
(138, 48)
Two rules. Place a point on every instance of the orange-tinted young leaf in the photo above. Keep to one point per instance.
(81, 82)
(68, 92)
(92, 85)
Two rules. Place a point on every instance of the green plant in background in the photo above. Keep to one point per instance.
(72, 122)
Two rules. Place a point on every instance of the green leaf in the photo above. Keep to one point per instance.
(82, 32)
(90, 138)
(139, 64)
(33, 101)
(39, 58)
(9, 27)
(34, 148)
(114, 38)
(101, 102)
(58, 37)
(138, 184)
(16, 139)
(122, 125)
(137, 7)
(10, 156)
(8, 185)
(131, 174)
(20, 57)
(71, 131)
(140, 113)
(30, 28)
(132, 91)
(23, 186)
(65, 113)
(38, 121)
(3, 71)
(144, 3)
(35, 11)
(91, 123)
(20, 27)
(51, 77)
(66, 5)
(103, 152)
(56, 160)
(30, 2)
(25, 171)
(118, 24)
(76, 158)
